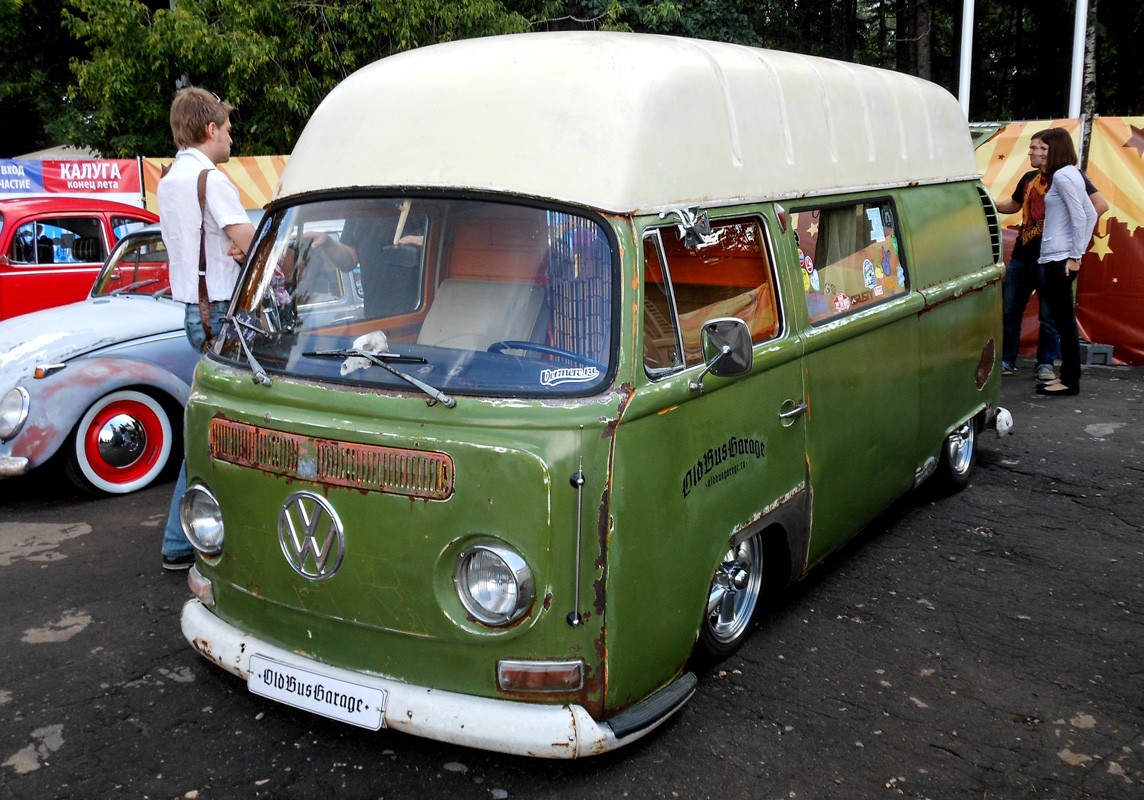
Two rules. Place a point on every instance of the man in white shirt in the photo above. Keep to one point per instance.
(200, 124)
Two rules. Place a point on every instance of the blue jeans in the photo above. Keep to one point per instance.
(193, 322)
(1021, 280)
(174, 540)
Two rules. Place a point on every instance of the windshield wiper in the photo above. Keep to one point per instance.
(260, 377)
(347, 352)
(136, 285)
(380, 359)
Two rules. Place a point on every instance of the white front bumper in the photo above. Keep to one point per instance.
(505, 726)
(11, 466)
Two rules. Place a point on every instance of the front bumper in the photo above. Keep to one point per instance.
(11, 466)
(505, 726)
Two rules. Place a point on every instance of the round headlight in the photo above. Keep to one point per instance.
(13, 412)
(201, 519)
(494, 584)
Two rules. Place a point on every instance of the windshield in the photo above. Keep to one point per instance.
(461, 296)
(138, 265)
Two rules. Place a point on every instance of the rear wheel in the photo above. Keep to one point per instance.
(732, 599)
(958, 456)
(121, 444)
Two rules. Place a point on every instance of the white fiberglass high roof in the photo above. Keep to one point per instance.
(628, 123)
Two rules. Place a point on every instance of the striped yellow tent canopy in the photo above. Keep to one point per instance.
(255, 176)
(1004, 157)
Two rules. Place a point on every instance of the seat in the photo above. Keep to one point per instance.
(390, 278)
(88, 250)
(472, 315)
(45, 252)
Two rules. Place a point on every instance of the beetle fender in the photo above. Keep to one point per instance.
(58, 401)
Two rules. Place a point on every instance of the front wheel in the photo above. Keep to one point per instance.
(732, 600)
(958, 456)
(121, 444)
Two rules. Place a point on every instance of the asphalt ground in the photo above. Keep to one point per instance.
(980, 645)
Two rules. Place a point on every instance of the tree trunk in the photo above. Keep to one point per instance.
(923, 23)
(1088, 83)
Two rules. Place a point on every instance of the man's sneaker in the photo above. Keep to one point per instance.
(178, 563)
(1045, 373)
(1007, 368)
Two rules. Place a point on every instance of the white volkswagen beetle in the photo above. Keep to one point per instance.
(102, 381)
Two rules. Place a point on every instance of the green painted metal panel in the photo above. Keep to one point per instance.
(391, 609)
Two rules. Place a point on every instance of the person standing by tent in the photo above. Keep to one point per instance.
(1024, 274)
(206, 232)
(1069, 220)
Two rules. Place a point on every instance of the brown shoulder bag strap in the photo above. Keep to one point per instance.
(204, 296)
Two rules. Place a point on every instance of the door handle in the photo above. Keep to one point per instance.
(795, 412)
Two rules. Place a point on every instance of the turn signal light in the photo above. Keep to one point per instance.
(540, 676)
(200, 587)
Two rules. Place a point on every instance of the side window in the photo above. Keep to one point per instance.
(662, 349)
(849, 257)
(121, 226)
(23, 249)
(727, 275)
(65, 240)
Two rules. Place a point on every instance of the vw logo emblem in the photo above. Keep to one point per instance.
(312, 537)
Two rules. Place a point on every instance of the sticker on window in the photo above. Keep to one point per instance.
(556, 377)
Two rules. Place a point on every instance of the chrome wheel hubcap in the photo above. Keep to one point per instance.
(961, 448)
(122, 440)
(735, 591)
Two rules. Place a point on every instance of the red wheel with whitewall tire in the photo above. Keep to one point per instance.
(121, 444)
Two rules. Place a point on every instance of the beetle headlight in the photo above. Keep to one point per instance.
(494, 584)
(201, 519)
(13, 412)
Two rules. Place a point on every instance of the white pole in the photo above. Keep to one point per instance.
(1080, 28)
(966, 54)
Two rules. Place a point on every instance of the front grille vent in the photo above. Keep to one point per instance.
(392, 470)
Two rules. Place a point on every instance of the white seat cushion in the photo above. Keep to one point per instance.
(471, 315)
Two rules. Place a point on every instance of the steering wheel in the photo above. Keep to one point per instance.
(536, 347)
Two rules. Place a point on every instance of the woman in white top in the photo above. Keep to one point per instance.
(1069, 220)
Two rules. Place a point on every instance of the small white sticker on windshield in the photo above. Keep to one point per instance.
(555, 377)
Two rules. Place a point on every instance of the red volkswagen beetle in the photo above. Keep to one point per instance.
(51, 248)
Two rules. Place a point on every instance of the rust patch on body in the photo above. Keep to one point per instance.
(601, 562)
(609, 429)
(390, 470)
(986, 364)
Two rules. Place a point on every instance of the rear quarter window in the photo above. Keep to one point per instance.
(849, 257)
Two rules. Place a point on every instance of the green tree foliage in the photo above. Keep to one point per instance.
(35, 51)
(1120, 65)
(274, 60)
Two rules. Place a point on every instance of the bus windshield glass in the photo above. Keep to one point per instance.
(465, 296)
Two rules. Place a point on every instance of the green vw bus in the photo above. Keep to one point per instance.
(554, 352)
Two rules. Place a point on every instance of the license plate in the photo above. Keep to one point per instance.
(312, 691)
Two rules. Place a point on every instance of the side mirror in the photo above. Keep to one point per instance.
(726, 349)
